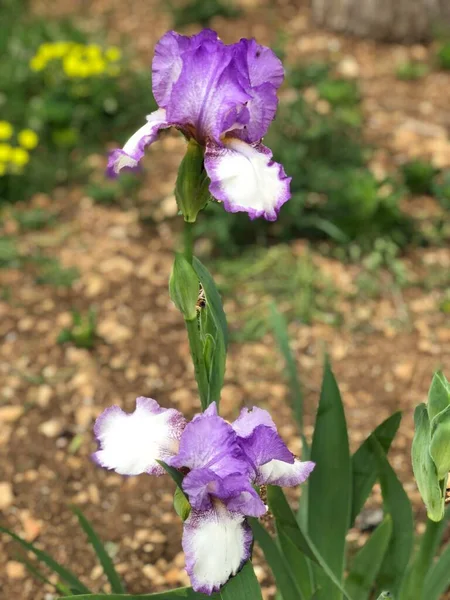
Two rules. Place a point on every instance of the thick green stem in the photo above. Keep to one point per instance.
(196, 347)
(188, 241)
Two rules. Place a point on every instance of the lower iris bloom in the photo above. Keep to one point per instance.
(224, 97)
(223, 462)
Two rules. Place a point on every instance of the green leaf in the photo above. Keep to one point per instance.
(181, 504)
(299, 564)
(413, 583)
(330, 485)
(364, 463)
(366, 564)
(243, 585)
(279, 327)
(66, 575)
(440, 446)
(214, 326)
(287, 524)
(438, 579)
(62, 589)
(103, 556)
(438, 395)
(397, 504)
(424, 467)
(281, 568)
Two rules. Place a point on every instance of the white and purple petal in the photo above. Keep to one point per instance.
(129, 156)
(131, 443)
(277, 472)
(216, 543)
(265, 445)
(245, 178)
(251, 418)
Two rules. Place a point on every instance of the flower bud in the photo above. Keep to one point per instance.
(440, 442)
(184, 287)
(438, 395)
(192, 187)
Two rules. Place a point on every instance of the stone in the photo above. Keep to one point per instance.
(6, 495)
(51, 428)
(10, 414)
(15, 570)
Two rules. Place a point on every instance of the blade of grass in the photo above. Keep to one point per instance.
(103, 556)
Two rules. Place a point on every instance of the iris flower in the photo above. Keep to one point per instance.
(224, 97)
(222, 463)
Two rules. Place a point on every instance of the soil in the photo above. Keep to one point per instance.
(383, 354)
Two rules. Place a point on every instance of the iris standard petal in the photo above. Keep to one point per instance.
(265, 445)
(207, 97)
(131, 444)
(216, 543)
(263, 65)
(245, 178)
(250, 418)
(210, 442)
(277, 472)
(130, 155)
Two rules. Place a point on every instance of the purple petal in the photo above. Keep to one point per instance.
(167, 65)
(277, 472)
(260, 62)
(216, 543)
(207, 95)
(245, 178)
(250, 419)
(131, 444)
(134, 149)
(210, 442)
(265, 445)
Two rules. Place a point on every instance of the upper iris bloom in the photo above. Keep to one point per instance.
(224, 97)
(221, 463)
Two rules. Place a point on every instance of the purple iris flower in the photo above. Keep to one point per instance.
(225, 97)
(223, 462)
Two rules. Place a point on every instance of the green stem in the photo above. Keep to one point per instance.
(188, 241)
(196, 347)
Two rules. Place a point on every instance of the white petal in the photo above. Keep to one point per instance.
(245, 178)
(131, 443)
(134, 148)
(216, 543)
(278, 472)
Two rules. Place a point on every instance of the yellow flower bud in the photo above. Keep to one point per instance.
(19, 157)
(5, 152)
(113, 53)
(28, 139)
(6, 130)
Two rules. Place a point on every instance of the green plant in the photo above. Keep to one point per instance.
(36, 218)
(411, 70)
(197, 11)
(9, 253)
(419, 176)
(112, 191)
(441, 188)
(52, 273)
(338, 92)
(443, 55)
(83, 331)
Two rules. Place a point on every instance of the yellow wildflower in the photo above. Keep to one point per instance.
(46, 50)
(60, 49)
(5, 152)
(38, 63)
(6, 130)
(84, 69)
(19, 157)
(97, 66)
(113, 53)
(2, 169)
(71, 65)
(28, 139)
(93, 51)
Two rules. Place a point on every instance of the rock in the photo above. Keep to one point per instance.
(113, 332)
(10, 414)
(348, 67)
(51, 429)
(43, 395)
(15, 570)
(153, 574)
(6, 495)
(32, 527)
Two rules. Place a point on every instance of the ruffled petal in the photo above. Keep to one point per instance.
(207, 97)
(210, 442)
(265, 445)
(130, 155)
(250, 419)
(131, 444)
(263, 64)
(277, 472)
(216, 543)
(203, 485)
(245, 178)
(167, 61)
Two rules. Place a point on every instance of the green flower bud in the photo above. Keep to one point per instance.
(438, 395)
(184, 287)
(440, 442)
(192, 186)
(424, 468)
(181, 504)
